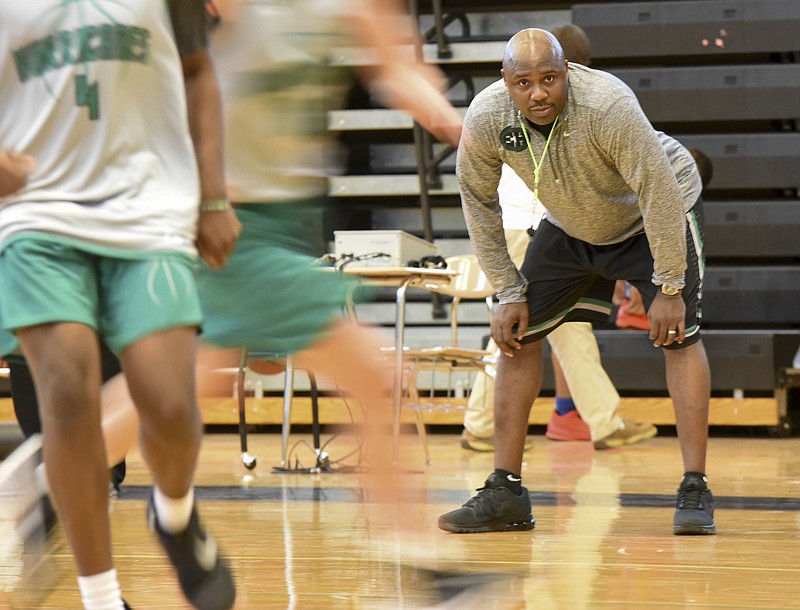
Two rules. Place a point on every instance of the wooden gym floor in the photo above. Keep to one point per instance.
(602, 540)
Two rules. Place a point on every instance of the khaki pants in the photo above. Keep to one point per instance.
(575, 346)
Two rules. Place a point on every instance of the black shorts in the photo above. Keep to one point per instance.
(571, 280)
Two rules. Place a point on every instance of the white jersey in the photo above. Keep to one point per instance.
(94, 92)
(278, 83)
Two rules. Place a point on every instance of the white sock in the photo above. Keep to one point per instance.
(101, 591)
(173, 513)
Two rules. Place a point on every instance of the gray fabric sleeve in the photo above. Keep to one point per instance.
(639, 156)
(478, 169)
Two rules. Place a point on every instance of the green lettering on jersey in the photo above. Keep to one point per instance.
(65, 48)
(87, 48)
(108, 47)
(87, 95)
(83, 45)
(139, 41)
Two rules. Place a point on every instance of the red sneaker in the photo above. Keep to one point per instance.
(630, 321)
(568, 427)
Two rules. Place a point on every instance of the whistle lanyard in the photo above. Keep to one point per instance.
(537, 165)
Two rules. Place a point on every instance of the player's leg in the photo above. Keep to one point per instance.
(354, 356)
(152, 318)
(50, 301)
(160, 372)
(120, 423)
(64, 361)
(119, 420)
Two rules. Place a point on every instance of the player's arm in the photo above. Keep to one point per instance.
(398, 79)
(218, 227)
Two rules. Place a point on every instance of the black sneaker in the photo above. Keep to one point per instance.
(694, 511)
(203, 574)
(492, 509)
(117, 477)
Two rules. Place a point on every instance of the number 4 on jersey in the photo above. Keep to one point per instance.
(87, 95)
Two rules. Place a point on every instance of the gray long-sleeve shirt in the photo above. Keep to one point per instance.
(607, 176)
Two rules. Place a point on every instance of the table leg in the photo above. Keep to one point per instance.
(286, 425)
(399, 342)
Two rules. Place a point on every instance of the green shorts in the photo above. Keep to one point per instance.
(271, 297)
(45, 280)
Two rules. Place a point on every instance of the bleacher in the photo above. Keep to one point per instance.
(722, 76)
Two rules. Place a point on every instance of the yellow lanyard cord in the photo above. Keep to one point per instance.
(537, 165)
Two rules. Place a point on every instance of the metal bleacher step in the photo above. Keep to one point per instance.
(387, 185)
(370, 119)
(751, 295)
(422, 329)
(738, 229)
(475, 52)
(750, 160)
(744, 360)
(769, 160)
(749, 229)
(447, 220)
(719, 93)
(699, 28)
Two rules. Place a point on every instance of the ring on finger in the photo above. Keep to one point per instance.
(672, 332)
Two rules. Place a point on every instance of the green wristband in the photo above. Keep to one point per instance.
(215, 205)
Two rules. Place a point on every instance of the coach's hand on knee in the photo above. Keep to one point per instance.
(509, 323)
(667, 319)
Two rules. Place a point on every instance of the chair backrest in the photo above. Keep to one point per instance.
(471, 281)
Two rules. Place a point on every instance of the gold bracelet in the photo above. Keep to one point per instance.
(215, 205)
